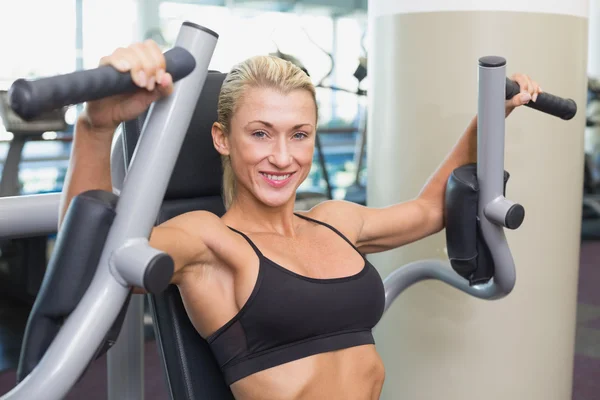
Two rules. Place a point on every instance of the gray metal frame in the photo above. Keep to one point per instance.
(492, 207)
(125, 359)
(126, 251)
(26, 216)
(162, 136)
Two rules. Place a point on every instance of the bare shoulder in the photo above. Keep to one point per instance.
(202, 237)
(374, 230)
(197, 222)
(202, 225)
(345, 216)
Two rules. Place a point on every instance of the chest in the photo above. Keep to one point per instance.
(315, 254)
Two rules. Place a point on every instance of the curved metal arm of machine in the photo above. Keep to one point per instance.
(494, 211)
(411, 273)
(139, 202)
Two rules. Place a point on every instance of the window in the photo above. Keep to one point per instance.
(43, 166)
(39, 39)
(107, 25)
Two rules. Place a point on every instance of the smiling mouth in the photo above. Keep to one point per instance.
(277, 177)
(277, 180)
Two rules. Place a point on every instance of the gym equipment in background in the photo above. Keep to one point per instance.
(23, 260)
(71, 321)
(356, 192)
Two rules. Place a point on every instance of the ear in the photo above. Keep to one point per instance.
(220, 139)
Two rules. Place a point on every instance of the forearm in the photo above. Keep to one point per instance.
(463, 152)
(89, 164)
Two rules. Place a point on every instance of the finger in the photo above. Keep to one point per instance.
(116, 60)
(536, 90)
(523, 97)
(165, 86)
(523, 82)
(128, 61)
(158, 58)
(147, 70)
(530, 86)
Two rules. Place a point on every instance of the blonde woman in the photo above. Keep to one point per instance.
(286, 300)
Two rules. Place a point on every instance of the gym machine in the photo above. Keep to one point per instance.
(23, 260)
(81, 307)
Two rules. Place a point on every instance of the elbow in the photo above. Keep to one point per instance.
(433, 216)
(436, 220)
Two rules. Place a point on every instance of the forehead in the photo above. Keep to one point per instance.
(273, 105)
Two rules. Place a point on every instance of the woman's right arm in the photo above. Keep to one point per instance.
(89, 164)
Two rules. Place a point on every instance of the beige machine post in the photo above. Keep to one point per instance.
(437, 342)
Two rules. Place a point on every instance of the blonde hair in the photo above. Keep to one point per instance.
(256, 72)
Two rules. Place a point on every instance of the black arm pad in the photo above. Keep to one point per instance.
(70, 271)
(468, 253)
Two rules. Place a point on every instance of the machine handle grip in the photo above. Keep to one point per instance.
(545, 102)
(29, 99)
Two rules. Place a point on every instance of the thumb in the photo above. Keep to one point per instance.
(520, 99)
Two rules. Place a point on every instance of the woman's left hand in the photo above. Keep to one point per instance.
(529, 92)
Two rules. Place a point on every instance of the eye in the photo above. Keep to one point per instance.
(300, 135)
(259, 134)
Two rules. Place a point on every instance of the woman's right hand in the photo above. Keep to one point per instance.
(146, 63)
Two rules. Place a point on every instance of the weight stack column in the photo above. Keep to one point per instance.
(437, 342)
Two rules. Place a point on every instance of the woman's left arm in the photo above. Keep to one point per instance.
(391, 227)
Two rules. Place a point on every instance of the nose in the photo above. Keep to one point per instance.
(281, 156)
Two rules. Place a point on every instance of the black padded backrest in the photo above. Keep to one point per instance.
(85, 228)
(191, 370)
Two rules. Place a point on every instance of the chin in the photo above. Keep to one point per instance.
(275, 201)
(276, 198)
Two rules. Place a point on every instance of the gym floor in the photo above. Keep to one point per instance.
(586, 385)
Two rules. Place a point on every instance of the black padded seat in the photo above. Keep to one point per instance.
(190, 368)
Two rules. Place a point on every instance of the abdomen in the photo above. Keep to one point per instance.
(356, 373)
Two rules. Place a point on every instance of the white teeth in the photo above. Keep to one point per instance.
(277, 177)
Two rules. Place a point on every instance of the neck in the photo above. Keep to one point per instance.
(250, 215)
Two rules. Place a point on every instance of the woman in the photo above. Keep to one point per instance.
(286, 300)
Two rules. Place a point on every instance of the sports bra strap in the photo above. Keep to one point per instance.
(303, 217)
(330, 227)
(248, 240)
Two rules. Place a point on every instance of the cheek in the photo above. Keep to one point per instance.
(249, 153)
(304, 153)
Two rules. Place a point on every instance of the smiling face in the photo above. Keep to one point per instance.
(271, 143)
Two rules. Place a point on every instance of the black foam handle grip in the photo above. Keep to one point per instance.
(29, 99)
(545, 102)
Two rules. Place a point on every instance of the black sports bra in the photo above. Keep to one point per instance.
(290, 316)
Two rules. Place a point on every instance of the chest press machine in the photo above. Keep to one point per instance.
(165, 165)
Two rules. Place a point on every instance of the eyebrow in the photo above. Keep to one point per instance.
(269, 125)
